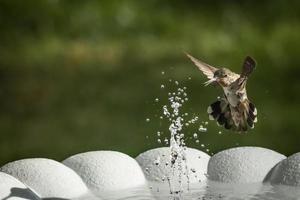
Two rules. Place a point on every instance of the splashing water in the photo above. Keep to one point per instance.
(178, 180)
(177, 137)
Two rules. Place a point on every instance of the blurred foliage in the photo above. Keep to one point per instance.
(83, 75)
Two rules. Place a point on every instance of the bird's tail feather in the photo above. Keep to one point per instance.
(239, 118)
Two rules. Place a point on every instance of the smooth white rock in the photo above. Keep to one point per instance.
(49, 178)
(13, 189)
(106, 171)
(157, 166)
(287, 172)
(242, 164)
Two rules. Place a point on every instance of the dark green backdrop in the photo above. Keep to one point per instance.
(83, 75)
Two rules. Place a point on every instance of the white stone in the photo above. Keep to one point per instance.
(106, 171)
(13, 189)
(242, 164)
(49, 178)
(195, 165)
(287, 172)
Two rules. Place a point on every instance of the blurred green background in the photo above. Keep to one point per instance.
(78, 75)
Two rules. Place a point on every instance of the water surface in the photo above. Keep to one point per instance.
(209, 191)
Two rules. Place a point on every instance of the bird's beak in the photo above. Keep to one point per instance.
(210, 81)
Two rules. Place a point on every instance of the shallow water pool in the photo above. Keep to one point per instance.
(210, 190)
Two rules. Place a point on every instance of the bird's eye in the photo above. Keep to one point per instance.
(225, 75)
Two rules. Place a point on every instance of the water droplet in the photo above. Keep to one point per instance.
(193, 170)
(170, 80)
(156, 100)
(157, 161)
(162, 86)
(195, 135)
(207, 150)
(190, 78)
(202, 129)
(182, 142)
(159, 141)
(177, 98)
(158, 133)
(176, 82)
(162, 73)
(206, 122)
(186, 99)
(166, 141)
(202, 145)
(220, 132)
(147, 120)
(197, 141)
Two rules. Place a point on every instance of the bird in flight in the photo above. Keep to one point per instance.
(234, 110)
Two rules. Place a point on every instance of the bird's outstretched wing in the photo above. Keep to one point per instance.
(206, 69)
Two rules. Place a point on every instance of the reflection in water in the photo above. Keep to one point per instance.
(280, 192)
(23, 193)
(212, 191)
(26, 193)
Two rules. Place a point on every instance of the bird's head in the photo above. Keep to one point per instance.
(221, 76)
